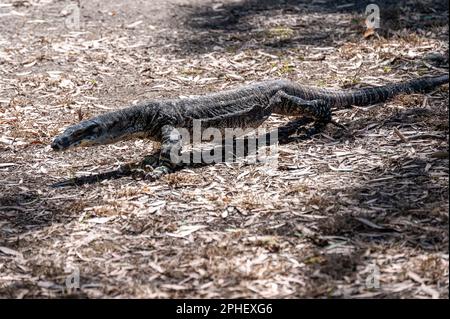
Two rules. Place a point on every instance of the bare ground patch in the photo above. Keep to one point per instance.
(314, 226)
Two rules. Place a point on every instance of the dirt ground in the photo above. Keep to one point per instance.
(361, 213)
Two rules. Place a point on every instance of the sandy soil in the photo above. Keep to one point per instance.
(348, 214)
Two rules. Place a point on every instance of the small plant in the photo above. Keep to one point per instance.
(287, 68)
(280, 32)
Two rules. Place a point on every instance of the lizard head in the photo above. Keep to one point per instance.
(85, 133)
(103, 129)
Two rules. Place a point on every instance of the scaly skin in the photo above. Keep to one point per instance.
(246, 107)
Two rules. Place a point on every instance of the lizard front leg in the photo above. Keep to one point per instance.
(169, 156)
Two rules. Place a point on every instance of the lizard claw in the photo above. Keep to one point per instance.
(137, 173)
(157, 173)
(338, 125)
(151, 177)
(150, 161)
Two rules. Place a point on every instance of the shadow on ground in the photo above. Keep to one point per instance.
(403, 205)
(295, 130)
(30, 211)
(281, 24)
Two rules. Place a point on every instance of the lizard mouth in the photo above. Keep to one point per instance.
(60, 143)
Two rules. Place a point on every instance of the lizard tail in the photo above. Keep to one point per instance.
(373, 95)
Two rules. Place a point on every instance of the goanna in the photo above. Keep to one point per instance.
(245, 107)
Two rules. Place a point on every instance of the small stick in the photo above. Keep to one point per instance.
(338, 125)
(400, 135)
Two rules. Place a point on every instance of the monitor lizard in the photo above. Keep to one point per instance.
(245, 107)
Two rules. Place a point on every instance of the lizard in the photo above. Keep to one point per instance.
(245, 107)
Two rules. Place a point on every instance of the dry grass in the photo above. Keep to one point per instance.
(314, 226)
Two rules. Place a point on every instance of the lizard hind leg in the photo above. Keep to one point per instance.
(317, 110)
(291, 105)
